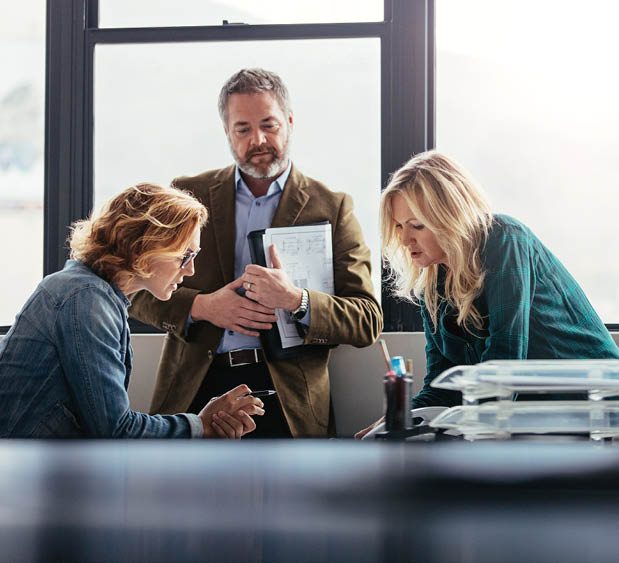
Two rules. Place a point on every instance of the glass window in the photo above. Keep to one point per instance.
(22, 103)
(155, 114)
(169, 13)
(527, 101)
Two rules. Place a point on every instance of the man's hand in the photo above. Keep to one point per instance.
(227, 309)
(363, 432)
(271, 287)
(229, 416)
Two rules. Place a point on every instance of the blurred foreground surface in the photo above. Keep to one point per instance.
(314, 501)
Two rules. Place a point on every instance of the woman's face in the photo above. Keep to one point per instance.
(167, 271)
(417, 238)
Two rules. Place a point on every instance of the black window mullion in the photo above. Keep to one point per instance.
(92, 14)
(407, 102)
(407, 105)
(431, 77)
(237, 32)
(410, 121)
(65, 198)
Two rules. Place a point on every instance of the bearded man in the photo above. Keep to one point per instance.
(213, 321)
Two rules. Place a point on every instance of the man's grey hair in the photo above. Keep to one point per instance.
(253, 81)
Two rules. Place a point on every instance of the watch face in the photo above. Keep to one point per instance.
(300, 312)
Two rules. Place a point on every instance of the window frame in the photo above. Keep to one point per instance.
(407, 37)
(407, 103)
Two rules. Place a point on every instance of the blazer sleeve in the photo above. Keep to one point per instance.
(171, 315)
(352, 315)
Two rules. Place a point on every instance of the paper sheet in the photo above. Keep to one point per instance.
(306, 253)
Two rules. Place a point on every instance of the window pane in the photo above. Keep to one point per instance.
(156, 114)
(22, 93)
(164, 13)
(527, 101)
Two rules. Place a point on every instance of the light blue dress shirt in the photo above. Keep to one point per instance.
(251, 214)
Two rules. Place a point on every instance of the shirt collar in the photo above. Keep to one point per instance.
(276, 186)
(76, 264)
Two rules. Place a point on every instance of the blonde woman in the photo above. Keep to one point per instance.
(66, 361)
(487, 286)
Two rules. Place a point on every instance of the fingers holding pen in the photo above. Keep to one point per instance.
(229, 416)
(249, 425)
(240, 398)
(227, 426)
(234, 426)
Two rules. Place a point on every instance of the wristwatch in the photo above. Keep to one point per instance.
(301, 310)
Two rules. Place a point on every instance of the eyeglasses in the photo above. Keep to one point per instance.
(188, 257)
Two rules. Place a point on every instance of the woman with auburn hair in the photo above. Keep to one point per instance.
(487, 287)
(66, 361)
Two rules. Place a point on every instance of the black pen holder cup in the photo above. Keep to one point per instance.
(398, 393)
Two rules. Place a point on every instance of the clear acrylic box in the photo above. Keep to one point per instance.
(504, 419)
(502, 379)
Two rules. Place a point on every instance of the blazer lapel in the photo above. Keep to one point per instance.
(294, 198)
(222, 198)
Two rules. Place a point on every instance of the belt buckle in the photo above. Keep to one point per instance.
(234, 365)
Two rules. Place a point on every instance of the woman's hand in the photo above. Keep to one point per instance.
(230, 415)
(363, 432)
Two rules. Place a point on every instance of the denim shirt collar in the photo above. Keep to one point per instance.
(76, 264)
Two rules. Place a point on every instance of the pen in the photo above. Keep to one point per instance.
(263, 393)
(383, 349)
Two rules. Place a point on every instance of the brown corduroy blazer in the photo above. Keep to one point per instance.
(351, 316)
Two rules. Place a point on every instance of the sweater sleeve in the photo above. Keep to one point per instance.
(508, 292)
(436, 363)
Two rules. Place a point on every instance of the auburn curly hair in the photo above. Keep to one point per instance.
(141, 222)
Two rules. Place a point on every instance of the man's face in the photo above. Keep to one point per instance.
(258, 131)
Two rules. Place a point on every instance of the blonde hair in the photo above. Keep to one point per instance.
(141, 222)
(445, 198)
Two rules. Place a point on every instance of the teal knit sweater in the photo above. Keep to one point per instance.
(532, 307)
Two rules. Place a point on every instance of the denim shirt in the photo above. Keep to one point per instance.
(65, 366)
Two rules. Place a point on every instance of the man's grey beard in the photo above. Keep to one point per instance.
(273, 169)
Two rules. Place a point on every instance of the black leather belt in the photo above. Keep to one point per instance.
(237, 358)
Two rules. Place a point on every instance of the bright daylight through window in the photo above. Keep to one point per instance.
(160, 13)
(164, 122)
(527, 101)
(22, 94)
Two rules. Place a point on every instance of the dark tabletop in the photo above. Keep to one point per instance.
(314, 501)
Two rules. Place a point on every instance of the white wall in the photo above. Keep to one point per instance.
(356, 376)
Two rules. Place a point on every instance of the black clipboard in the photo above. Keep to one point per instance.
(270, 339)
